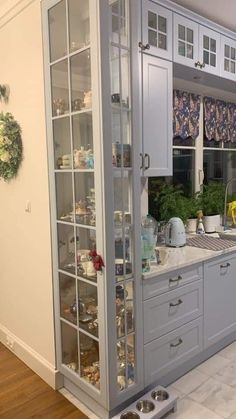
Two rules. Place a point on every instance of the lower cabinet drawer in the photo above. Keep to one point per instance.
(168, 311)
(168, 352)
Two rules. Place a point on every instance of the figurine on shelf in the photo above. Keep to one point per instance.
(59, 106)
(80, 158)
(88, 99)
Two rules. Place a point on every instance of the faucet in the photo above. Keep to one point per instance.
(225, 204)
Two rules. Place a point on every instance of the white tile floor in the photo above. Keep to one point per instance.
(207, 392)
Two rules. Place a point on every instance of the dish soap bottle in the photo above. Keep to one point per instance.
(200, 226)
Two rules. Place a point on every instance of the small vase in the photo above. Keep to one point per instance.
(191, 225)
(211, 223)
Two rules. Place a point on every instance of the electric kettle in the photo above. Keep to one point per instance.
(175, 233)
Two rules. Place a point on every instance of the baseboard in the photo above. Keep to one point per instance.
(31, 358)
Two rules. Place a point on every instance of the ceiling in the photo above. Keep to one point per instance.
(222, 12)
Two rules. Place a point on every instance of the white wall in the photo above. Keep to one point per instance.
(26, 301)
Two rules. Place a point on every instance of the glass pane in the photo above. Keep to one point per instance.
(64, 197)
(205, 42)
(162, 24)
(89, 360)
(129, 295)
(124, 22)
(206, 57)
(69, 347)
(233, 53)
(152, 20)
(83, 152)
(68, 306)
(190, 51)
(162, 41)
(131, 359)
(213, 60)
(81, 80)
(85, 212)
(115, 29)
(62, 145)
(127, 162)
(88, 308)
(219, 166)
(86, 241)
(125, 73)
(181, 48)
(213, 45)
(57, 31)
(190, 35)
(115, 76)
(60, 93)
(115, 7)
(184, 169)
(181, 32)
(66, 248)
(232, 67)
(226, 65)
(123, 261)
(121, 365)
(227, 51)
(152, 38)
(79, 30)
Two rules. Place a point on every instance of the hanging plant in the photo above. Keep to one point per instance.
(11, 149)
(4, 92)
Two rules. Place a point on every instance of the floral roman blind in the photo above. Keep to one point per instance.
(186, 114)
(220, 120)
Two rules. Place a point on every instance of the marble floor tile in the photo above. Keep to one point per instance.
(216, 396)
(213, 365)
(188, 409)
(227, 375)
(190, 381)
(233, 416)
(229, 352)
(175, 392)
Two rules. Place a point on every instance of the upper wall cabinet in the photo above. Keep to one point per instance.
(196, 46)
(157, 30)
(228, 58)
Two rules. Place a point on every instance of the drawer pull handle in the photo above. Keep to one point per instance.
(174, 345)
(176, 304)
(175, 280)
(226, 265)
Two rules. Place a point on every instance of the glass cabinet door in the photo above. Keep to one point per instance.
(157, 29)
(122, 187)
(185, 41)
(209, 50)
(228, 58)
(75, 190)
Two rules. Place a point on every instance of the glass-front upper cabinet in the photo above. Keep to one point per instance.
(209, 50)
(228, 58)
(74, 160)
(156, 30)
(122, 186)
(185, 41)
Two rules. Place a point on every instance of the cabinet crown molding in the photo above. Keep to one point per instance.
(11, 8)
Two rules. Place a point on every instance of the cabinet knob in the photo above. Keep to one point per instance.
(174, 345)
(147, 157)
(143, 47)
(176, 304)
(176, 279)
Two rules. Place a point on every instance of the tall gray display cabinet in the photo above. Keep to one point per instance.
(93, 129)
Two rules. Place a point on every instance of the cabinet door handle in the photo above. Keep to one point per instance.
(142, 160)
(226, 265)
(176, 304)
(174, 345)
(147, 156)
(143, 47)
(176, 279)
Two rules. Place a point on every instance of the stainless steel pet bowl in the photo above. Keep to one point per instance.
(160, 395)
(130, 415)
(145, 406)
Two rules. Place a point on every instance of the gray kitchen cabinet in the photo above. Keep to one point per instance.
(228, 58)
(170, 351)
(168, 311)
(157, 116)
(156, 30)
(219, 299)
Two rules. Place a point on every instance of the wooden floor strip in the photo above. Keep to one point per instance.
(24, 395)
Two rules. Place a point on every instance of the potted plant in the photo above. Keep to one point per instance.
(171, 202)
(193, 205)
(211, 199)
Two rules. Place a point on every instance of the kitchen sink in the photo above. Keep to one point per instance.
(228, 234)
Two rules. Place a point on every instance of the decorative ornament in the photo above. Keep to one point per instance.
(11, 148)
(97, 260)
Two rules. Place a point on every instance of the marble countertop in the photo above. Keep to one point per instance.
(175, 258)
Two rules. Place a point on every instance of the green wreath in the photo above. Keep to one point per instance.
(11, 148)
